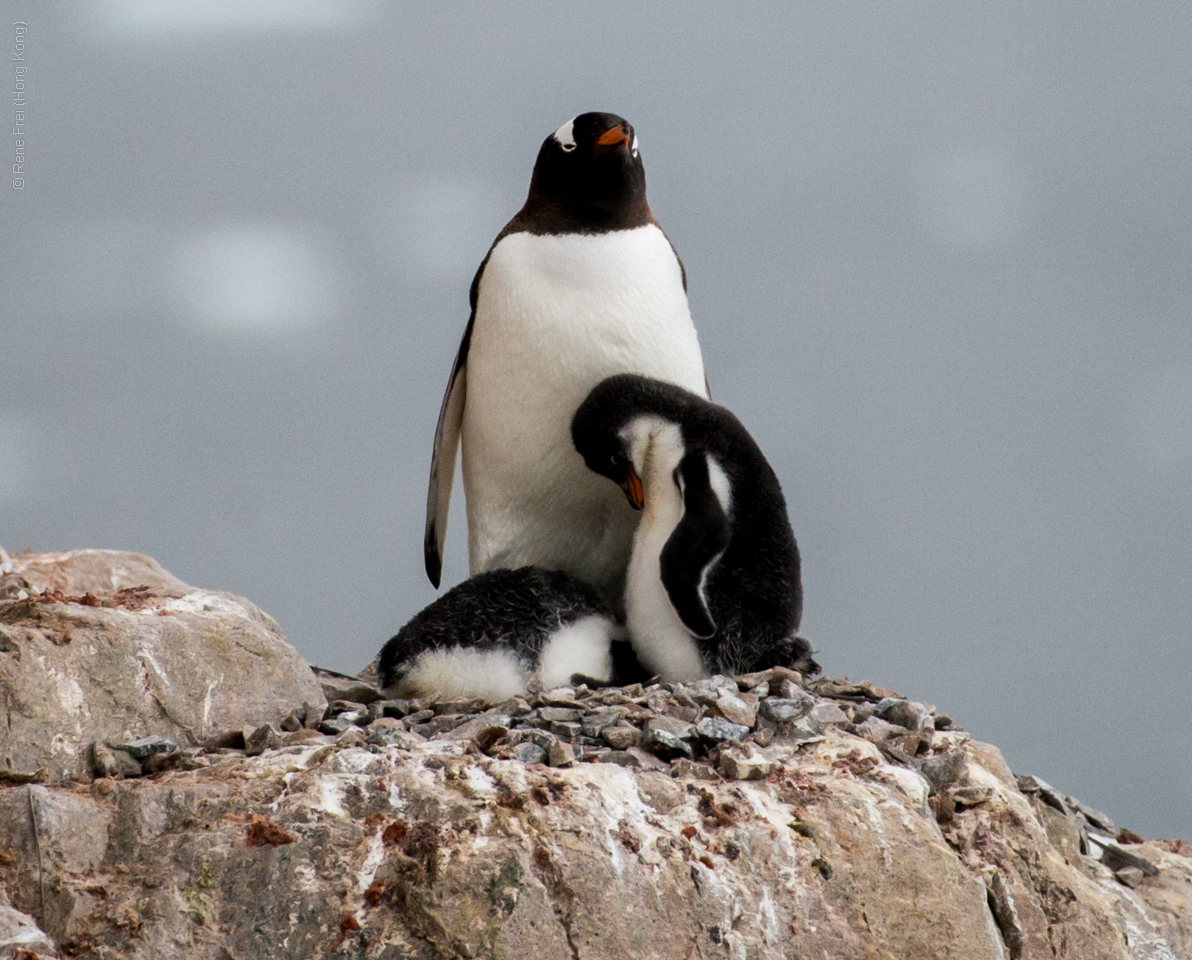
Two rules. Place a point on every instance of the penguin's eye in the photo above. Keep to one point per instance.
(617, 460)
(567, 147)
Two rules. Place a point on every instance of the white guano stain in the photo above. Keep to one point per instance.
(769, 916)
(60, 743)
(157, 667)
(331, 797)
(209, 699)
(204, 602)
(372, 861)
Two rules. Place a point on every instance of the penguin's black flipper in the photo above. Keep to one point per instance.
(447, 430)
(442, 463)
(695, 546)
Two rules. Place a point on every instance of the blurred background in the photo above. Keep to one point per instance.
(940, 259)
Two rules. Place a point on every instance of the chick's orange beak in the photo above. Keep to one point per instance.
(610, 138)
(633, 490)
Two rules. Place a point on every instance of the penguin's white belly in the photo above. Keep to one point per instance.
(555, 316)
(658, 636)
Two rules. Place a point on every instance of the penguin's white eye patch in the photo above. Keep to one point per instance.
(633, 146)
(566, 136)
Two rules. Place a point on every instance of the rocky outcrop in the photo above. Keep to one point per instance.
(756, 817)
(100, 650)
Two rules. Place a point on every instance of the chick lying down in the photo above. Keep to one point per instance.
(498, 633)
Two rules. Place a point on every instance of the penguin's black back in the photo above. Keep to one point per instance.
(511, 609)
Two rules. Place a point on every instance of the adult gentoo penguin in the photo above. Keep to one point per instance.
(714, 582)
(582, 283)
(491, 635)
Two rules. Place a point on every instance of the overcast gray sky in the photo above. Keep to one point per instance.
(940, 259)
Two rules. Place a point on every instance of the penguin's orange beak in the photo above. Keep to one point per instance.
(610, 138)
(633, 489)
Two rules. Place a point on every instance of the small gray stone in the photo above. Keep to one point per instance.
(419, 716)
(1098, 819)
(666, 745)
(944, 770)
(393, 737)
(192, 760)
(561, 755)
(594, 722)
(144, 747)
(970, 796)
(353, 737)
(621, 736)
(229, 740)
(566, 731)
(787, 689)
(735, 710)
(708, 690)
(528, 752)
(484, 731)
(622, 758)
(1128, 876)
(514, 707)
(559, 714)
(1118, 859)
(114, 763)
(801, 730)
(764, 731)
(676, 728)
(717, 730)
(336, 707)
(312, 715)
(780, 709)
(743, 762)
(337, 686)
(448, 721)
(360, 718)
(879, 731)
(386, 723)
(334, 726)
(693, 770)
(259, 740)
(647, 760)
(829, 713)
(387, 708)
(458, 707)
(904, 713)
(532, 735)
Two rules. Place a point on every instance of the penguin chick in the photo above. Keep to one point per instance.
(491, 635)
(582, 283)
(713, 583)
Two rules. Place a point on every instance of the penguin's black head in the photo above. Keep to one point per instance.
(598, 435)
(590, 170)
(610, 427)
